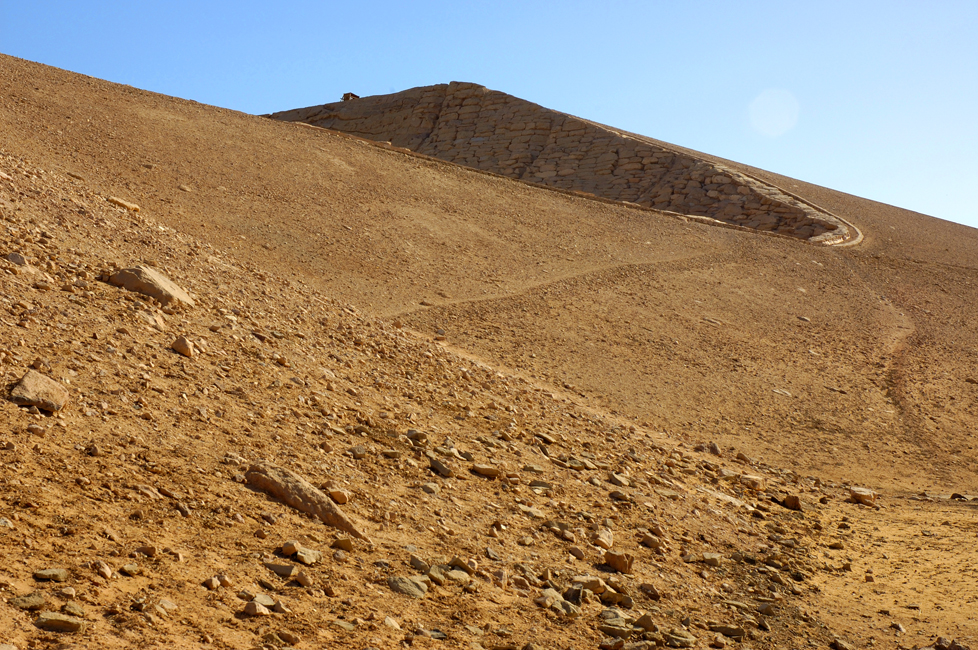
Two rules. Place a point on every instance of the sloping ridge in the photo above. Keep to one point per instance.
(470, 125)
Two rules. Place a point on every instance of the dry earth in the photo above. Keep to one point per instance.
(586, 372)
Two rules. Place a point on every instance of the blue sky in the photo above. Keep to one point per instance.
(878, 99)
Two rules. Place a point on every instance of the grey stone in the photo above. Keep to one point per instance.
(54, 622)
(413, 586)
(54, 575)
(31, 602)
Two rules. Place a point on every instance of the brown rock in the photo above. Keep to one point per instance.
(122, 203)
(35, 389)
(183, 346)
(256, 609)
(603, 539)
(864, 496)
(339, 496)
(620, 562)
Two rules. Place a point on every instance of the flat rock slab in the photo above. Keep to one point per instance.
(150, 282)
(54, 622)
(413, 586)
(35, 389)
(55, 575)
(301, 495)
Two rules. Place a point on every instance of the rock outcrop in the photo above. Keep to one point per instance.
(470, 125)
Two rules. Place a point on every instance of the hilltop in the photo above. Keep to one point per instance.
(491, 379)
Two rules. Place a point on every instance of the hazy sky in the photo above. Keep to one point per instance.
(878, 99)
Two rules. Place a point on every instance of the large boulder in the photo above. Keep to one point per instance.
(150, 282)
(35, 389)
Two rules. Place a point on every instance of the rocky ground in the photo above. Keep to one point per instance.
(492, 511)
(229, 443)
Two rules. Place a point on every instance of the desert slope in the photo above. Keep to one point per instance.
(596, 331)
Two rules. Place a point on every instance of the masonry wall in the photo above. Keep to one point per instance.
(470, 125)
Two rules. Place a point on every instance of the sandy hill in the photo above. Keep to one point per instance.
(489, 379)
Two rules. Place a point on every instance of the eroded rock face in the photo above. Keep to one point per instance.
(35, 389)
(150, 282)
(470, 125)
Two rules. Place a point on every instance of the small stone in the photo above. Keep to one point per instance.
(102, 569)
(603, 538)
(391, 623)
(304, 579)
(864, 496)
(431, 488)
(732, 631)
(620, 562)
(413, 586)
(256, 609)
(147, 550)
(437, 574)
(343, 543)
(183, 346)
(280, 608)
(264, 600)
(443, 468)
(469, 566)
(456, 575)
(645, 622)
(289, 637)
(339, 496)
(712, 559)
(31, 602)
(54, 575)
(212, 583)
(792, 502)
(54, 622)
(73, 609)
(486, 470)
(358, 452)
(130, 570)
(619, 479)
(122, 203)
(150, 282)
(649, 590)
(308, 556)
(283, 570)
(35, 389)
